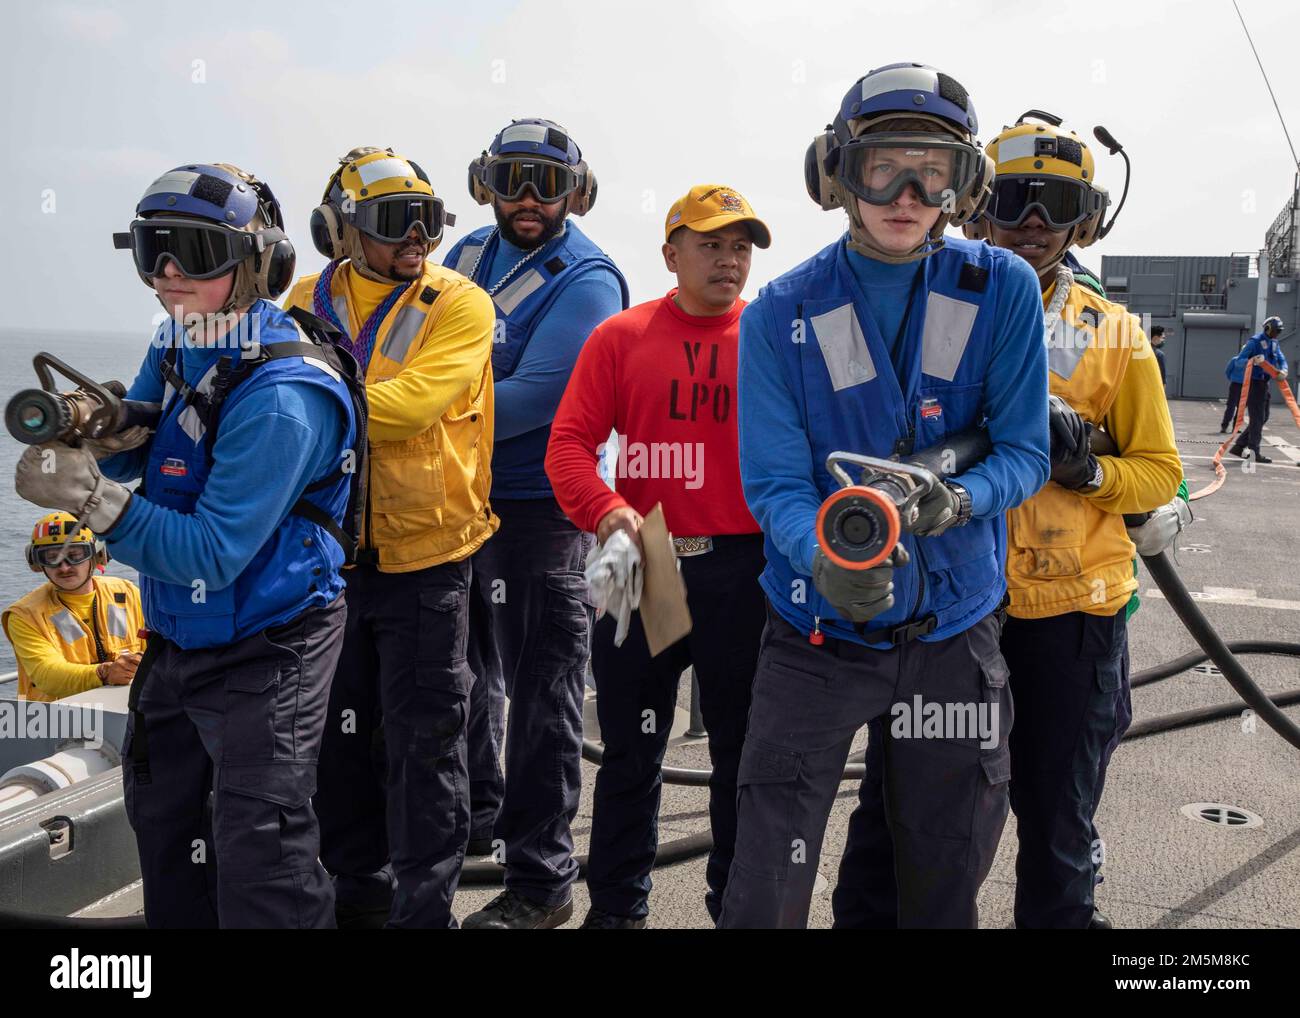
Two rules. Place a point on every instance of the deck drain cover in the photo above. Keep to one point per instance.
(1222, 815)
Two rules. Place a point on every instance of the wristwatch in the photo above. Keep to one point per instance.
(963, 503)
(1096, 480)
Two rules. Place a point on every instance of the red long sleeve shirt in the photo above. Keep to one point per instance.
(665, 382)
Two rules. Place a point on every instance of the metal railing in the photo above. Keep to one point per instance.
(1202, 301)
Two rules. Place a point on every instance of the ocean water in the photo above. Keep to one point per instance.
(102, 356)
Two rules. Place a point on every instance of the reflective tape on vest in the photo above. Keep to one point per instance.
(844, 347)
(514, 294)
(948, 324)
(406, 326)
(118, 624)
(69, 627)
(468, 256)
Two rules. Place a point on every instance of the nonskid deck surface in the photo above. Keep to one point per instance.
(1163, 869)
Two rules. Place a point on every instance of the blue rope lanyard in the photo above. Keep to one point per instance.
(323, 307)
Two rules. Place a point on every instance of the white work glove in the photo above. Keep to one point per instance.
(1158, 533)
(56, 476)
(615, 577)
(111, 445)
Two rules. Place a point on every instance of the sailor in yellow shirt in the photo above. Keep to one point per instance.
(393, 833)
(1069, 558)
(79, 631)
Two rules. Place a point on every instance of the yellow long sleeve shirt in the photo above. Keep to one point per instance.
(1148, 473)
(44, 663)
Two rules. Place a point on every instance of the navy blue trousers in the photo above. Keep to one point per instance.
(636, 698)
(932, 805)
(240, 727)
(1069, 680)
(530, 624)
(394, 787)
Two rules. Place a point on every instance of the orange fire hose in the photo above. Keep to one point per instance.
(1220, 472)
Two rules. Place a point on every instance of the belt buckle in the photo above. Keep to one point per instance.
(687, 547)
(909, 631)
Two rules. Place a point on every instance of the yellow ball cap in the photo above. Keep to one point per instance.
(708, 207)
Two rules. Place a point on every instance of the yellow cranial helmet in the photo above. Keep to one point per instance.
(1042, 167)
(381, 194)
(57, 530)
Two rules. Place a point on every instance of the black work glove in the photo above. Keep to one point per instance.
(1073, 464)
(858, 594)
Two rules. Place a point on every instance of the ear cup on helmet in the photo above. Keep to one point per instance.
(977, 201)
(815, 178)
(30, 554)
(585, 196)
(1088, 232)
(273, 269)
(477, 189)
(327, 231)
(976, 229)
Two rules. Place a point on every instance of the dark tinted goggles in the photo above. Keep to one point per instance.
(73, 554)
(549, 182)
(877, 168)
(390, 218)
(1061, 202)
(200, 250)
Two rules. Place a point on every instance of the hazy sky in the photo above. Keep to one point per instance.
(102, 98)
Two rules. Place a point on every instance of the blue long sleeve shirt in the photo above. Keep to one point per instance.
(1261, 344)
(272, 444)
(775, 453)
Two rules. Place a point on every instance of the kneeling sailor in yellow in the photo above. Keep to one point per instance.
(78, 631)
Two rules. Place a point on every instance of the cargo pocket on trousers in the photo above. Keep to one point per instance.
(251, 823)
(442, 639)
(251, 694)
(566, 620)
(1110, 674)
(436, 710)
(767, 793)
(996, 758)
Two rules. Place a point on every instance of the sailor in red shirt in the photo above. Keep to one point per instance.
(662, 375)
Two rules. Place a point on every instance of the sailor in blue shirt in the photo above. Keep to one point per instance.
(551, 286)
(887, 341)
(1263, 347)
(236, 531)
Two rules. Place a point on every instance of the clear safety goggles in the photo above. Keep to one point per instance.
(510, 178)
(72, 554)
(878, 167)
(389, 219)
(1060, 202)
(200, 250)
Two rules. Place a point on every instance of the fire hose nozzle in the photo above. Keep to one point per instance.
(859, 525)
(92, 410)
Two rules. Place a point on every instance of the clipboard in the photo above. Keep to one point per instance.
(664, 613)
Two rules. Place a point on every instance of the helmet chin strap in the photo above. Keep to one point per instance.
(356, 254)
(861, 241)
